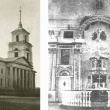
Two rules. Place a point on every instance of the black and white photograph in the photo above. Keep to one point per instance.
(79, 54)
(20, 55)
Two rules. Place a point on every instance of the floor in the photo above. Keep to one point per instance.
(57, 106)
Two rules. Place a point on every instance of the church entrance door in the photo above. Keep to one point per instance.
(64, 83)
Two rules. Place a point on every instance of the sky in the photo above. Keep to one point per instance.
(9, 20)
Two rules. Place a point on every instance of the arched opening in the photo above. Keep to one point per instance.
(17, 38)
(27, 49)
(16, 52)
(25, 38)
(28, 56)
(16, 49)
(64, 73)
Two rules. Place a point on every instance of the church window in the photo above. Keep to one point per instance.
(27, 49)
(93, 64)
(17, 38)
(65, 55)
(27, 56)
(104, 64)
(16, 54)
(25, 38)
(1, 70)
(68, 34)
(1, 81)
(99, 63)
(94, 36)
(15, 49)
(103, 35)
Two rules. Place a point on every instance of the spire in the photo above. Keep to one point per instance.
(20, 24)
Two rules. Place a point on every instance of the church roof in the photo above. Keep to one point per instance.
(20, 29)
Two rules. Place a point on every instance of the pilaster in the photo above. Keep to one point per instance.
(54, 70)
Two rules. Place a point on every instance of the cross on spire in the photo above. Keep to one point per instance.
(20, 24)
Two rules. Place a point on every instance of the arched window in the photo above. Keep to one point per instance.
(17, 38)
(94, 36)
(16, 52)
(16, 49)
(103, 36)
(28, 55)
(27, 49)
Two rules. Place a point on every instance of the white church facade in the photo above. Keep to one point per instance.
(17, 75)
(79, 63)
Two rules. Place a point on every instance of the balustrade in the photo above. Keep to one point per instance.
(76, 98)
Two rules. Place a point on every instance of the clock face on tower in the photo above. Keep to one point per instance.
(97, 39)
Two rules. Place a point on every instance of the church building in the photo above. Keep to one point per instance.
(79, 61)
(16, 71)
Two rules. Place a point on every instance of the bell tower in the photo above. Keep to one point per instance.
(20, 46)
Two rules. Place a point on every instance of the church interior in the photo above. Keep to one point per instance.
(79, 58)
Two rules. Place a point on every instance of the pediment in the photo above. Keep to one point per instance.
(23, 60)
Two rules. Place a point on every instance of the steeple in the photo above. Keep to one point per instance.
(20, 24)
(20, 46)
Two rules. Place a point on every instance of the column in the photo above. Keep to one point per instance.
(33, 80)
(15, 77)
(11, 76)
(79, 72)
(19, 74)
(74, 66)
(23, 79)
(30, 80)
(21, 82)
(26, 79)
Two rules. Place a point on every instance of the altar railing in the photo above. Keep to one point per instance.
(76, 98)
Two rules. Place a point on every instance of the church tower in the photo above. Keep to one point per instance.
(20, 46)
